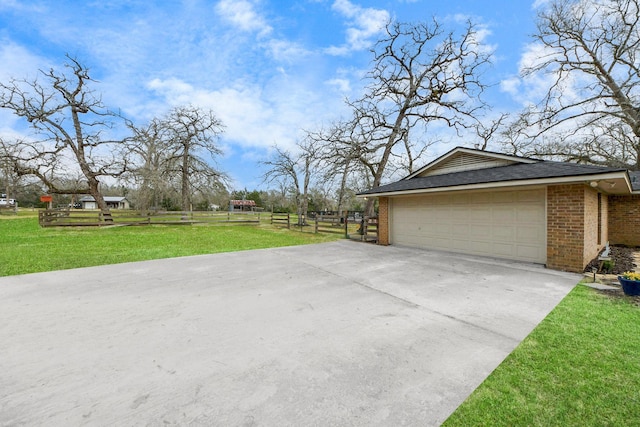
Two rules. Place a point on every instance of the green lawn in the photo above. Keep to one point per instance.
(579, 367)
(25, 247)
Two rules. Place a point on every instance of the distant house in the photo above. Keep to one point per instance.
(113, 202)
(242, 205)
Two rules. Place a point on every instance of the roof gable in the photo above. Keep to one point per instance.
(462, 159)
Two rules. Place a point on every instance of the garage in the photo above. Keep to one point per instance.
(503, 206)
(504, 224)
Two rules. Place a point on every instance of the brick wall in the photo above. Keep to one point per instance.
(383, 221)
(604, 224)
(573, 235)
(624, 220)
(592, 236)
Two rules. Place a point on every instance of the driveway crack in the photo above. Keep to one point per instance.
(410, 303)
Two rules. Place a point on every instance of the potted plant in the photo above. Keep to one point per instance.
(630, 282)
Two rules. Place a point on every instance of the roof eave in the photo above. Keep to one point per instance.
(586, 179)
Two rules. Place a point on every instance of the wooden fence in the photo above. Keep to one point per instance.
(281, 218)
(369, 231)
(8, 210)
(79, 218)
(353, 227)
(331, 224)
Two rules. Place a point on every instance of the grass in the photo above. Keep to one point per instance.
(579, 367)
(25, 247)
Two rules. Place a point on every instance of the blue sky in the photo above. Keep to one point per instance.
(267, 68)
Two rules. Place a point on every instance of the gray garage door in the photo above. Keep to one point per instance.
(504, 224)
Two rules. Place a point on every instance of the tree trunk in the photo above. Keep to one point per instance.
(343, 185)
(94, 190)
(185, 179)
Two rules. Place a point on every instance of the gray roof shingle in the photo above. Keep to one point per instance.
(515, 172)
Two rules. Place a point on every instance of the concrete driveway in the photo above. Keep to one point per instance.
(340, 333)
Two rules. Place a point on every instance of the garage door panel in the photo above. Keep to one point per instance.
(530, 196)
(442, 243)
(503, 250)
(507, 224)
(459, 214)
(505, 233)
(504, 215)
(526, 252)
(476, 198)
(480, 213)
(502, 197)
(479, 247)
(529, 233)
(460, 231)
(459, 245)
(531, 214)
(481, 232)
(443, 230)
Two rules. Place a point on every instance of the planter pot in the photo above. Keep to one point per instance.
(630, 287)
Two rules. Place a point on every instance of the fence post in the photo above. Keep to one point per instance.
(363, 234)
(316, 230)
(346, 224)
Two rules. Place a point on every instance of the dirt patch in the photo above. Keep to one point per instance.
(619, 294)
(622, 260)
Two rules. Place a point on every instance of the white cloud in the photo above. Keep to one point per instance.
(363, 25)
(342, 85)
(286, 51)
(253, 117)
(511, 86)
(242, 13)
(18, 62)
(531, 88)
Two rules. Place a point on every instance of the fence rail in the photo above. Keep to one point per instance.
(281, 218)
(370, 229)
(79, 218)
(9, 210)
(331, 224)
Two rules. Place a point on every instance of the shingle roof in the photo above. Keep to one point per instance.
(515, 172)
(112, 199)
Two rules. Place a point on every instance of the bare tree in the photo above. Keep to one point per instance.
(70, 124)
(8, 177)
(149, 167)
(297, 169)
(339, 159)
(489, 131)
(173, 149)
(591, 111)
(421, 74)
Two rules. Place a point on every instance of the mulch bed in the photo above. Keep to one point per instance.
(623, 260)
